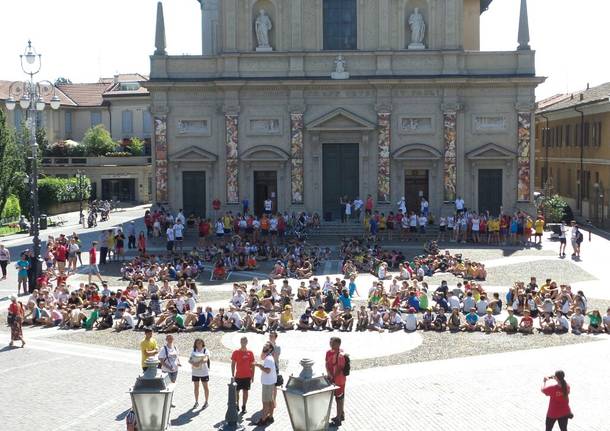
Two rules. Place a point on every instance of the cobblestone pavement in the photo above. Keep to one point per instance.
(497, 392)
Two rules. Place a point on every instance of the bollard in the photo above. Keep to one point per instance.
(231, 422)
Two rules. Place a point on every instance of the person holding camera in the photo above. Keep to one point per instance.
(559, 404)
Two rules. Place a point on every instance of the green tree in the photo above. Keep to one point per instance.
(554, 208)
(135, 146)
(11, 162)
(98, 141)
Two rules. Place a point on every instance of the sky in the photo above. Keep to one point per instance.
(84, 40)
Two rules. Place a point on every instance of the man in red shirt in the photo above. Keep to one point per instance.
(368, 206)
(93, 268)
(335, 366)
(242, 370)
(61, 255)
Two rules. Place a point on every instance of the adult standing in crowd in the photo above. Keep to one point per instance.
(242, 370)
(277, 351)
(335, 370)
(562, 239)
(200, 363)
(169, 358)
(576, 238)
(23, 267)
(559, 404)
(459, 205)
(131, 235)
(5, 258)
(15, 319)
(148, 347)
(268, 381)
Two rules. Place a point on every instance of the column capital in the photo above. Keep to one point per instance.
(525, 107)
(383, 108)
(452, 107)
(230, 110)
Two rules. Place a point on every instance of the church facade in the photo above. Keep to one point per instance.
(306, 101)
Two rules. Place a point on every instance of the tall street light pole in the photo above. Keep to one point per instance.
(31, 96)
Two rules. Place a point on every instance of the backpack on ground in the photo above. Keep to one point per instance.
(347, 366)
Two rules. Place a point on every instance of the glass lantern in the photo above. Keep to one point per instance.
(309, 399)
(151, 398)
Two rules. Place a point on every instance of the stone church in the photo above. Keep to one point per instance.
(305, 101)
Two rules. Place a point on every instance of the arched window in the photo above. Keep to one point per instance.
(340, 25)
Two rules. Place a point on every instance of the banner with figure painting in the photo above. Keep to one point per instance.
(232, 140)
(384, 142)
(450, 156)
(297, 185)
(524, 151)
(161, 159)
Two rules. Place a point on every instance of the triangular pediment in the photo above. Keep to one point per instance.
(193, 154)
(340, 120)
(416, 152)
(264, 153)
(491, 152)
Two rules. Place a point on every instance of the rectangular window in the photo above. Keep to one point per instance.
(96, 118)
(569, 183)
(39, 120)
(545, 137)
(68, 125)
(127, 123)
(587, 134)
(587, 185)
(558, 182)
(543, 176)
(567, 135)
(340, 25)
(577, 137)
(147, 123)
(560, 136)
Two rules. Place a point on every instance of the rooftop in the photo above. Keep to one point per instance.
(600, 93)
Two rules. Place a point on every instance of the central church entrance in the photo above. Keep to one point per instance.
(265, 187)
(340, 177)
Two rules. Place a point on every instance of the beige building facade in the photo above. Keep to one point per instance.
(573, 155)
(306, 101)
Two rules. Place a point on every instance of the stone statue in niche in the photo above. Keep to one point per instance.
(263, 26)
(340, 69)
(418, 30)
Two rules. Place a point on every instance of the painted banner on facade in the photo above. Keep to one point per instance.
(161, 159)
(523, 151)
(231, 142)
(450, 156)
(384, 142)
(297, 172)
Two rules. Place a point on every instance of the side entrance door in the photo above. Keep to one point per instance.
(340, 177)
(490, 190)
(416, 187)
(265, 186)
(193, 193)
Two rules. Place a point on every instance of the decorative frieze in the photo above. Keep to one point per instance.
(450, 155)
(523, 156)
(384, 142)
(231, 143)
(161, 173)
(489, 124)
(193, 127)
(264, 126)
(416, 125)
(297, 171)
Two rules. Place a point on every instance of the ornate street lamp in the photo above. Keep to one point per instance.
(308, 399)
(32, 99)
(151, 398)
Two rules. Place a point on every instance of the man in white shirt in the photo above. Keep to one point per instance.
(402, 205)
(180, 217)
(576, 238)
(178, 233)
(235, 318)
(170, 239)
(358, 203)
(268, 206)
(459, 204)
(268, 381)
(454, 301)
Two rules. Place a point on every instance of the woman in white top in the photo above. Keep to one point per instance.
(200, 363)
(168, 356)
(476, 222)
(348, 210)
(5, 258)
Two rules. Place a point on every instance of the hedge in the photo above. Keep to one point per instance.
(59, 190)
(12, 209)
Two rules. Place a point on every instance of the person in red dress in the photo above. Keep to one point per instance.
(559, 403)
(335, 366)
(16, 313)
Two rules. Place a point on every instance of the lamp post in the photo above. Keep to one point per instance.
(32, 99)
(308, 399)
(151, 398)
(79, 173)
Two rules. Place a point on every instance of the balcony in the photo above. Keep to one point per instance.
(97, 161)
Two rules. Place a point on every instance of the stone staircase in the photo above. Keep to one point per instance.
(330, 233)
